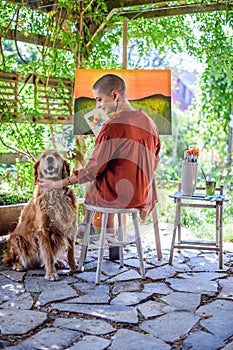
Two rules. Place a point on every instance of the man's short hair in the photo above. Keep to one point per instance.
(109, 82)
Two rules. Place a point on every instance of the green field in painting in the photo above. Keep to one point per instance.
(157, 107)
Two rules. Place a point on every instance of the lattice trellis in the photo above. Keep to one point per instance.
(8, 95)
(53, 98)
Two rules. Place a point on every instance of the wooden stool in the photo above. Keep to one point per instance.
(118, 241)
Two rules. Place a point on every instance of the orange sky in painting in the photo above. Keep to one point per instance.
(139, 83)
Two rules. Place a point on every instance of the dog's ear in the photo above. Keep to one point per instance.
(35, 166)
(65, 169)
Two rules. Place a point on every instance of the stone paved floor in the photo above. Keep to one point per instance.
(185, 306)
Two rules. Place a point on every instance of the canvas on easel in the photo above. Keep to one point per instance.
(149, 90)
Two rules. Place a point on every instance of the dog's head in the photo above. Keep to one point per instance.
(51, 165)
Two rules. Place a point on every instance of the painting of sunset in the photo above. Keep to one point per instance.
(149, 90)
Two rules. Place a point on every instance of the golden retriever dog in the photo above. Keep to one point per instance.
(47, 225)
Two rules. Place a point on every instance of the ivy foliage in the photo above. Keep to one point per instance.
(215, 49)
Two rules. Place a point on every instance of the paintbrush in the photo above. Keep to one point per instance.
(204, 174)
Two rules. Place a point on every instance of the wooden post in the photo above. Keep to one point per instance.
(125, 40)
(114, 252)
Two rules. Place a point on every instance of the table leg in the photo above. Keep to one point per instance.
(217, 223)
(179, 220)
(220, 236)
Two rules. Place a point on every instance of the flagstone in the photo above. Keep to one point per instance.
(161, 273)
(229, 346)
(86, 287)
(218, 318)
(226, 289)
(154, 308)
(56, 292)
(108, 268)
(157, 288)
(111, 269)
(90, 276)
(152, 259)
(216, 307)
(39, 284)
(202, 341)
(14, 322)
(128, 286)
(9, 289)
(206, 263)
(126, 276)
(98, 295)
(48, 338)
(91, 342)
(171, 326)
(129, 298)
(181, 266)
(16, 276)
(135, 263)
(182, 300)
(130, 340)
(91, 326)
(22, 301)
(203, 283)
(220, 324)
(114, 313)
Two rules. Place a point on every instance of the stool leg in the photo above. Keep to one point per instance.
(114, 251)
(85, 239)
(156, 232)
(138, 244)
(101, 247)
(120, 233)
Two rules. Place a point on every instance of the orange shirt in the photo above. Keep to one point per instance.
(121, 167)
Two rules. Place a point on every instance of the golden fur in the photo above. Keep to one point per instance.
(47, 225)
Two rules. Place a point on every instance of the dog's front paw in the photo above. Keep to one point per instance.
(53, 276)
(74, 269)
(60, 264)
(18, 267)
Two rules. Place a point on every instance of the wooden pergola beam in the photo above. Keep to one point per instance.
(34, 39)
(117, 4)
(40, 5)
(160, 8)
(176, 10)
